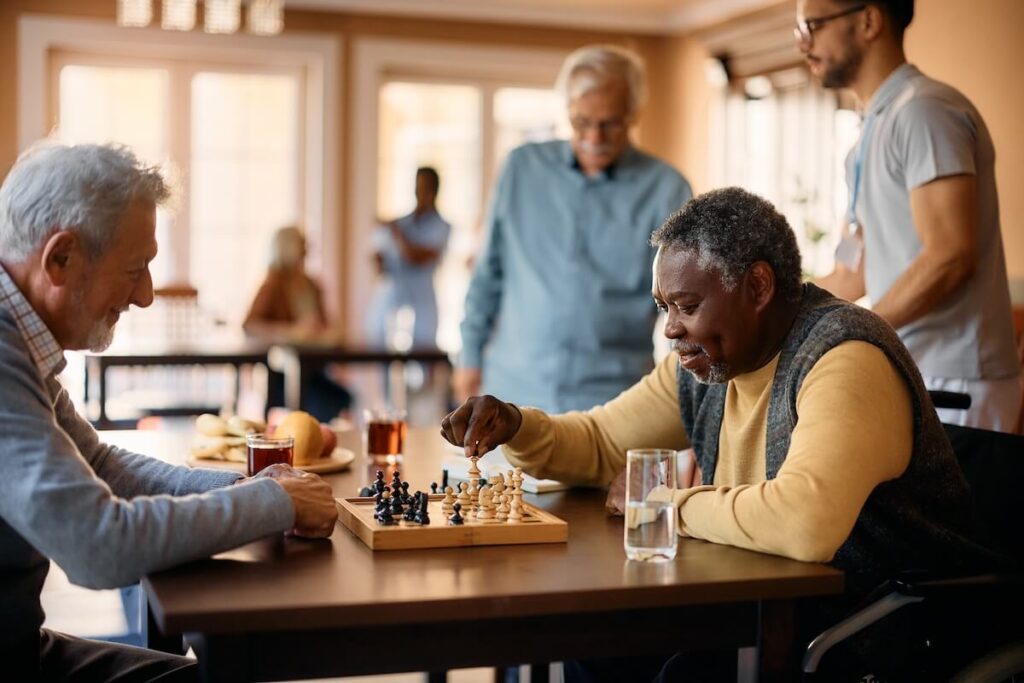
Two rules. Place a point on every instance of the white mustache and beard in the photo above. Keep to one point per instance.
(595, 149)
(100, 334)
(717, 373)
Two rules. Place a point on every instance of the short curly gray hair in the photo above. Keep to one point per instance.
(593, 66)
(729, 229)
(84, 188)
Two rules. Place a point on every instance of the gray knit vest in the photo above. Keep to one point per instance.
(921, 520)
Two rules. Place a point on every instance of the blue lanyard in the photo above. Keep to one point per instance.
(858, 170)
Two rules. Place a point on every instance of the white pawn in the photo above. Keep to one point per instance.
(502, 512)
(463, 496)
(449, 499)
(515, 515)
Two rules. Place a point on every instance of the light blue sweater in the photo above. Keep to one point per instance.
(106, 516)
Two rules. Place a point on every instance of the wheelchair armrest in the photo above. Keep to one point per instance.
(929, 585)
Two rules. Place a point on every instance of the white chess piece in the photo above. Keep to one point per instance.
(486, 509)
(463, 496)
(516, 514)
(502, 511)
(449, 499)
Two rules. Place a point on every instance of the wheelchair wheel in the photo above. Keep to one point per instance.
(1003, 664)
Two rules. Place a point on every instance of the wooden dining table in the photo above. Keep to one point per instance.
(288, 608)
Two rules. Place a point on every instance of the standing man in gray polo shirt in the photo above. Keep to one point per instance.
(924, 240)
(77, 234)
(567, 240)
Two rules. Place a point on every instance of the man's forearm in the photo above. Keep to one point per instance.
(929, 279)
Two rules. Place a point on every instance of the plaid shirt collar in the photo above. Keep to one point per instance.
(46, 352)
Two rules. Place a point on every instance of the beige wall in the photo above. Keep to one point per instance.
(976, 47)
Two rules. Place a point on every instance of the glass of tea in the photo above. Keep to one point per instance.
(385, 434)
(264, 451)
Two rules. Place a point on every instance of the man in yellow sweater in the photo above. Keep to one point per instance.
(814, 433)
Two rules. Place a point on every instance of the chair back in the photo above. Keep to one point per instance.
(993, 463)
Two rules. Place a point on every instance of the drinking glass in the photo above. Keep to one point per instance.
(650, 507)
(264, 451)
(384, 435)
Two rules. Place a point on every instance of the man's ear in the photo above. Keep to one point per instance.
(760, 284)
(873, 22)
(61, 257)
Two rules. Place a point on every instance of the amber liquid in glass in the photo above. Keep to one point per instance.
(261, 457)
(385, 438)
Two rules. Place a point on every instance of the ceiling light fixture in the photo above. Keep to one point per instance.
(222, 16)
(266, 17)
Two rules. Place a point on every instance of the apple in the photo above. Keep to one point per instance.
(330, 440)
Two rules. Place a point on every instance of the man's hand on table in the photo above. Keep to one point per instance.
(315, 509)
(688, 475)
(480, 424)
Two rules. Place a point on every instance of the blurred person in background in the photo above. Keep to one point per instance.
(289, 307)
(407, 252)
(567, 240)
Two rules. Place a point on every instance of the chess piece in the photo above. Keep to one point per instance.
(501, 514)
(516, 513)
(449, 499)
(433, 488)
(474, 473)
(486, 509)
(410, 513)
(396, 506)
(456, 518)
(463, 496)
(422, 517)
(405, 493)
(385, 517)
(379, 505)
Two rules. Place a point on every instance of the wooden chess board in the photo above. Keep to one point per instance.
(537, 526)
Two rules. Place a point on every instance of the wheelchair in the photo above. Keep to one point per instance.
(964, 629)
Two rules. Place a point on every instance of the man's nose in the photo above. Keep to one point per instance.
(142, 295)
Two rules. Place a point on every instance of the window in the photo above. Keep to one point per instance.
(785, 138)
(230, 139)
(446, 125)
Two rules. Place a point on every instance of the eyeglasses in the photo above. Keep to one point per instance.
(609, 128)
(804, 30)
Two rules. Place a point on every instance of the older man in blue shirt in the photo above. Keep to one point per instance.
(558, 313)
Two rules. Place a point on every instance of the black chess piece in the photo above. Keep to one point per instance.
(433, 488)
(396, 482)
(379, 506)
(379, 482)
(456, 518)
(385, 517)
(410, 513)
(421, 514)
(396, 506)
(405, 493)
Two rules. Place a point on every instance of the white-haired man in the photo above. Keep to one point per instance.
(77, 234)
(567, 239)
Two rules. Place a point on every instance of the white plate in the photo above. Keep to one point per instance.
(339, 459)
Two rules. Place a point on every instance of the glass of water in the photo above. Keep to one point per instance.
(650, 508)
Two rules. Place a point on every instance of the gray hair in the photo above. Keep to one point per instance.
(82, 188)
(594, 66)
(730, 229)
(286, 247)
